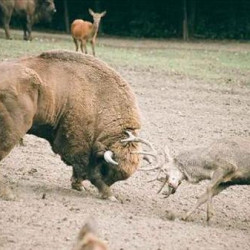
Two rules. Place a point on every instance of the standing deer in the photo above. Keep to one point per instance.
(85, 31)
(225, 162)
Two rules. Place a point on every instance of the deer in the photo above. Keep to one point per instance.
(225, 162)
(85, 31)
(87, 238)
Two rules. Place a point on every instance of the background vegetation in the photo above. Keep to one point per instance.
(163, 18)
(213, 19)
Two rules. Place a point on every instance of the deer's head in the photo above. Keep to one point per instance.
(97, 16)
(173, 175)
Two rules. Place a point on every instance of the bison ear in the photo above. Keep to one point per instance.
(103, 13)
(91, 12)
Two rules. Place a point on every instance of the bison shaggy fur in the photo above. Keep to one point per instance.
(78, 104)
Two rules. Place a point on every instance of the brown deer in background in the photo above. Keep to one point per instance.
(85, 31)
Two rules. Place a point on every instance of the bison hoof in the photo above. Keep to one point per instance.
(111, 198)
(77, 186)
(80, 186)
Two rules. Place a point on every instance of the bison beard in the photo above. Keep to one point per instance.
(78, 104)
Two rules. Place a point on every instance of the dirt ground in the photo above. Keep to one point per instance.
(176, 110)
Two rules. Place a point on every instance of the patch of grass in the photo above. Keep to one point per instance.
(206, 65)
(219, 62)
(16, 48)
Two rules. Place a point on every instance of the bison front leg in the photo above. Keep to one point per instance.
(76, 184)
(97, 180)
(78, 180)
(104, 189)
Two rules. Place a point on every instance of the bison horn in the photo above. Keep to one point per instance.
(108, 157)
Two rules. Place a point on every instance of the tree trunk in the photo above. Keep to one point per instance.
(66, 15)
(97, 5)
(192, 18)
(185, 21)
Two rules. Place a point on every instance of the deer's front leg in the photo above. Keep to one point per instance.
(213, 189)
(93, 46)
(202, 199)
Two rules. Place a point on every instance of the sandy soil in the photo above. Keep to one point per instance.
(176, 110)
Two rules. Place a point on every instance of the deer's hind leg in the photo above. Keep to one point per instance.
(76, 43)
(214, 188)
(84, 46)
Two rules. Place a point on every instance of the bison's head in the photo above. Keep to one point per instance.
(110, 160)
(123, 158)
(121, 164)
(46, 9)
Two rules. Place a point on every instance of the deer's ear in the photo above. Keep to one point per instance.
(91, 12)
(103, 13)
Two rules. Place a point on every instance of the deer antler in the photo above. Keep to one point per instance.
(162, 167)
(133, 138)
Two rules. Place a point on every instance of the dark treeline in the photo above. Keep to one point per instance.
(162, 18)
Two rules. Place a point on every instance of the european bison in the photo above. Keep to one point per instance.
(29, 11)
(81, 106)
(225, 162)
(84, 31)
